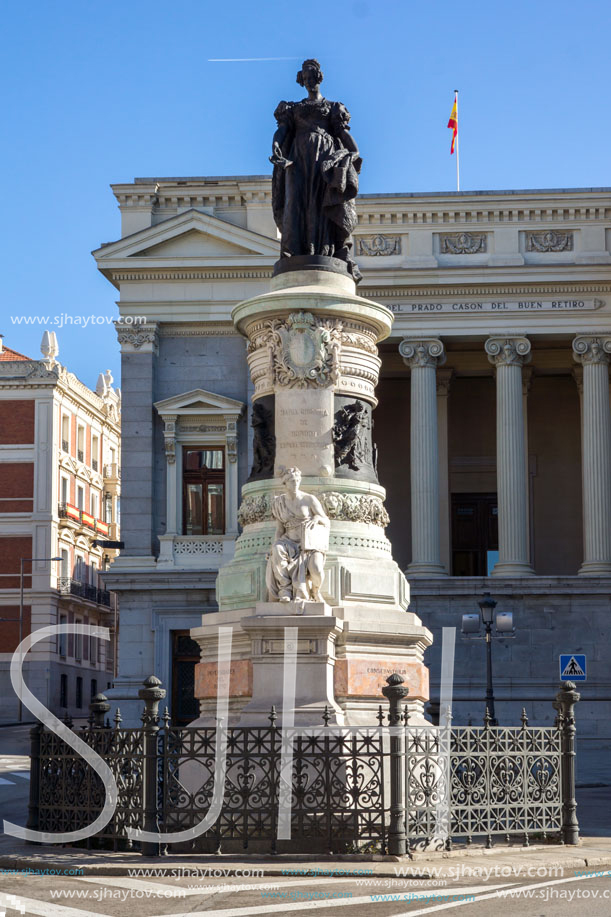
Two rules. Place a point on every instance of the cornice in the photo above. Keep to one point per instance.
(139, 273)
(211, 328)
(417, 292)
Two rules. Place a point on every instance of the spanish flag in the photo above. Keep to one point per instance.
(453, 122)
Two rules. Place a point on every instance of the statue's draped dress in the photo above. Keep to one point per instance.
(314, 195)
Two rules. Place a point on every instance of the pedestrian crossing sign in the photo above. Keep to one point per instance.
(573, 667)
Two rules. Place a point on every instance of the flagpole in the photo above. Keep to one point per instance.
(457, 142)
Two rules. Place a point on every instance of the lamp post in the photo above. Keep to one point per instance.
(486, 607)
(26, 560)
(503, 622)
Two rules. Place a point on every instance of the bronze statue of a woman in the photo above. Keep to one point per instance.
(315, 181)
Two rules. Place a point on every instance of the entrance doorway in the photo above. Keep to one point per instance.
(185, 656)
(475, 537)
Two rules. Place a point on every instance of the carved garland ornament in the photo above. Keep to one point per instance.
(304, 350)
(342, 507)
(549, 241)
(464, 243)
(380, 245)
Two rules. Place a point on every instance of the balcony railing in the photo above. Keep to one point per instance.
(69, 511)
(80, 455)
(69, 586)
(112, 470)
(65, 445)
(94, 464)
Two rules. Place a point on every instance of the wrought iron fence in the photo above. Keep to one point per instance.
(387, 788)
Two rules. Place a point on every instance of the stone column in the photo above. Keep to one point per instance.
(423, 356)
(444, 378)
(592, 351)
(509, 354)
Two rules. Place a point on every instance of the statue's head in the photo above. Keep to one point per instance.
(310, 74)
(291, 477)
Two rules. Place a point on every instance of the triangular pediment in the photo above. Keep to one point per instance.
(193, 244)
(191, 237)
(199, 403)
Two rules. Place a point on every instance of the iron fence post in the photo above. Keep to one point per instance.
(152, 693)
(34, 800)
(99, 707)
(394, 692)
(566, 698)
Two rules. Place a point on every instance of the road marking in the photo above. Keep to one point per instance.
(328, 902)
(47, 908)
(24, 776)
(239, 883)
(4, 782)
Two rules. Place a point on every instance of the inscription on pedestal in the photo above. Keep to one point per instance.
(304, 425)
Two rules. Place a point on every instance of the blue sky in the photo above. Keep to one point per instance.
(100, 93)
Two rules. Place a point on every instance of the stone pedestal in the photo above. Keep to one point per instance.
(314, 364)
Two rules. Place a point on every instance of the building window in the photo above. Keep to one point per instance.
(80, 444)
(80, 497)
(203, 491)
(65, 433)
(78, 643)
(63, 690)
(62, 638)
(94, 688)
(65, 564)
(79, 692)
(108, 508)
(95, 451)
(79, 568)
(64, 490)
(94, 505)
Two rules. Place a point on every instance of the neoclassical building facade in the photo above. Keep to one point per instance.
(493, 426)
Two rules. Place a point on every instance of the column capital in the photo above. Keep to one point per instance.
(508, 350)
(138, 338)
(417, 352)
(592, 348)
(444, 378)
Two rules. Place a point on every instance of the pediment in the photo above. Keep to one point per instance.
(199, 403)
(191, 237)
(193, 244)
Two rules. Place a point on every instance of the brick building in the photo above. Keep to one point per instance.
(59, 494)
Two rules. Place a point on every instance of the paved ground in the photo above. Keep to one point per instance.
(550, 881)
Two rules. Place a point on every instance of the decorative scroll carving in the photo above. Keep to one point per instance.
(341, 507)
(360, 340)
(169, 438)
(508, 351)
(380, 245)
(140, 338)
(264, 440)
(355, 508)
(232, 443)
(549, 241)
(423, 352)
(255, 509)
(592, 349)
(464, 243)
(304, 350)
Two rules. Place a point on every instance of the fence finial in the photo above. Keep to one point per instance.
(98, 708)
(152, 693)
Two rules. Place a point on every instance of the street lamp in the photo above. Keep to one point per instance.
(504, 628)
(26, 560)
